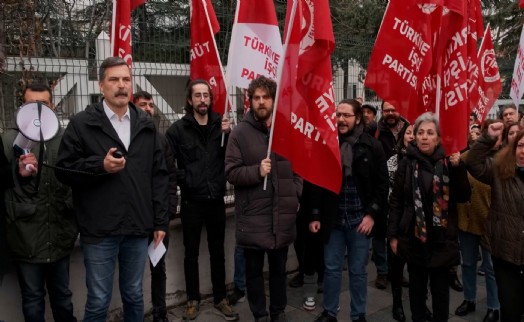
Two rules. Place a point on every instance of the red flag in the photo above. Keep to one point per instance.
(521, 4)
(205, 62)
(121, 28)
(422, 47)
(246, 101)
(454, 103)
(402, 55)
(475, 30)
(304, 130)
(490, 85)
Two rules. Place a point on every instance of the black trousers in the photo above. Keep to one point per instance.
(510, 283)
(302, 224)
(396, 270)
(256, 296)
(439, 287)
(310, 244)
(194, 215)
(158, 282)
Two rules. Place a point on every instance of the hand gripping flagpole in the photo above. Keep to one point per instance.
(219, 64)
(279, 81)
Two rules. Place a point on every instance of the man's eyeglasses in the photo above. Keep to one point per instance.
(388, 111)
(344, 115)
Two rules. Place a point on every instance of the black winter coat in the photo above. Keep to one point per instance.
(199, 157)
(265, 219)
(505, 223)
(401, 225)
(371, 178)
(130, 202)
(41, 224)
(171, 169)
(387, 139)
(6, 182)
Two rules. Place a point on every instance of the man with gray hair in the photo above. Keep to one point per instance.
(111, 156)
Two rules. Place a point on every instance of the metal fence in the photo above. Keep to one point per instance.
(62, 43)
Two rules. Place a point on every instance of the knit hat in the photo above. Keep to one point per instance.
(371, 108)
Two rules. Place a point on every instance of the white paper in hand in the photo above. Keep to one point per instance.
(155, 254)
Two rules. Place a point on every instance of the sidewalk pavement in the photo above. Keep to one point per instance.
(378, 310)
(379, 301)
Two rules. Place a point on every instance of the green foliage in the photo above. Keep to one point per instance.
(505, 18)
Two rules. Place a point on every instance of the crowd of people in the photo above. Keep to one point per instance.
(111, 178)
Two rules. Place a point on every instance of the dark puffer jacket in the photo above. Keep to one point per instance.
(505, 224)
(265, 219)
(440, 250)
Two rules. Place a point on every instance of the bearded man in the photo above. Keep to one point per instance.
(199, 154)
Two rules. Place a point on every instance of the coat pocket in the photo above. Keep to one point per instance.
(189, 152)
(20, 211)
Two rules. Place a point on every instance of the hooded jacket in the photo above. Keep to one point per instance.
(133, 201)
(41, 225)
(265, 219)
(6, 181)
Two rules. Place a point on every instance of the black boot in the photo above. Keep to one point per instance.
(492, 316)
(398, 310)
(454, 282)
(465, 308)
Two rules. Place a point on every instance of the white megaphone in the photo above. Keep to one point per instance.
(37, 123)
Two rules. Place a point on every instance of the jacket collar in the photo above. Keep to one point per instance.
(383, 127)
(213, 117)
(139, 119)
(250, 119)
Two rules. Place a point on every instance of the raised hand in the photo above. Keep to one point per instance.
(495, 129)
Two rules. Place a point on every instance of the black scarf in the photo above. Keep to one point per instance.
(347, 142)
(438, 166)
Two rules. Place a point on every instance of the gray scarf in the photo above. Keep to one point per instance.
(346, 148)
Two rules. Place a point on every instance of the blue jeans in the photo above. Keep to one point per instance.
(469, 245)
(240, 269)
(100, 262)
(357, 250)
(379, 255)
(34, 279)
